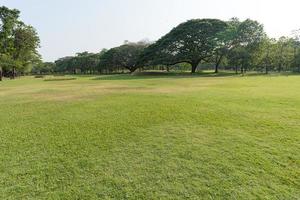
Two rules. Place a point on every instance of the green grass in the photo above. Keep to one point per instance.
(150, 137)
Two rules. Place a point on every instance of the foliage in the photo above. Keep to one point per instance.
(18, 43)
(241, 38)
(84, 62)
(208, 43)
(43, 68)
(125, 56)
(190, 42)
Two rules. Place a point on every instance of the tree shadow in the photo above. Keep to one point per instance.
(178, 75)
(162, 75)
(271, 74)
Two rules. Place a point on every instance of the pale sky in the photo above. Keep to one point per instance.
(66, 27)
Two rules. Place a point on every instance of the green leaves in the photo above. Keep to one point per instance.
(125, 56)
(189, 42)
(18, 41)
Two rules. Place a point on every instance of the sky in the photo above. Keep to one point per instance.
(66, 27)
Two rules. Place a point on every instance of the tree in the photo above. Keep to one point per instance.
(239, 57)
(265, 55)
(83, 62)
(125, 56)
(18, 42)
(238, 34)
(190, 42)
(285, 53)
(296, 62)
(6, 63)
(65, 64)
(43, 68)
(26, 42)
(296, 46)
(87, 62)
(8, 20)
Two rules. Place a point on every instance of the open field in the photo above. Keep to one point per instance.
(150, 137)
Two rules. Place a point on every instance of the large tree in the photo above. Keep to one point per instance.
(190, 42)
(18, 42)
(125, 56)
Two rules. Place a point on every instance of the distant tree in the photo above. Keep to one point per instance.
(296, 62)
(243, 35)
(285, 53)
(125, 56)
(265, 55)
(65, 65)
(190, 42)
(296, 46)
(43, 68)
(84, 62)
(239, 57)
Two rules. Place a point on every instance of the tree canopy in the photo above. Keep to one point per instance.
(190, 42)
(125, 56)
(18, 43)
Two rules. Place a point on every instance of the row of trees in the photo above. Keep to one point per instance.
(18, 44)
(119, 59)
(234, 45)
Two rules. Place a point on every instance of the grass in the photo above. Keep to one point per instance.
(150, 137)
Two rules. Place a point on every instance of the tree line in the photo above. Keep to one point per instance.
(235, 45)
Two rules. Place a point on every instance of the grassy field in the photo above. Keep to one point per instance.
(150, 137)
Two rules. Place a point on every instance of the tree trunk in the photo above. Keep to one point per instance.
(217, 69)
(236, 69)
(218, 62)
(132, 70)
(13, 73)
(280, 68)
(1, 73)
(242, 69)
(168, 69)
(267, 69)
(194, 66)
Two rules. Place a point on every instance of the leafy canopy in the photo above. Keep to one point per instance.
(189, 42)
(125, 56)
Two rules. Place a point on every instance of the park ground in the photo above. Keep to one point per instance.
(170, 136)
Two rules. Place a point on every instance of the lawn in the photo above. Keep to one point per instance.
(150, 137)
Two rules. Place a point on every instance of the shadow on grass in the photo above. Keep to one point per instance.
(162, 75)
(274, 74)
(178, 75)
(60, 79)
